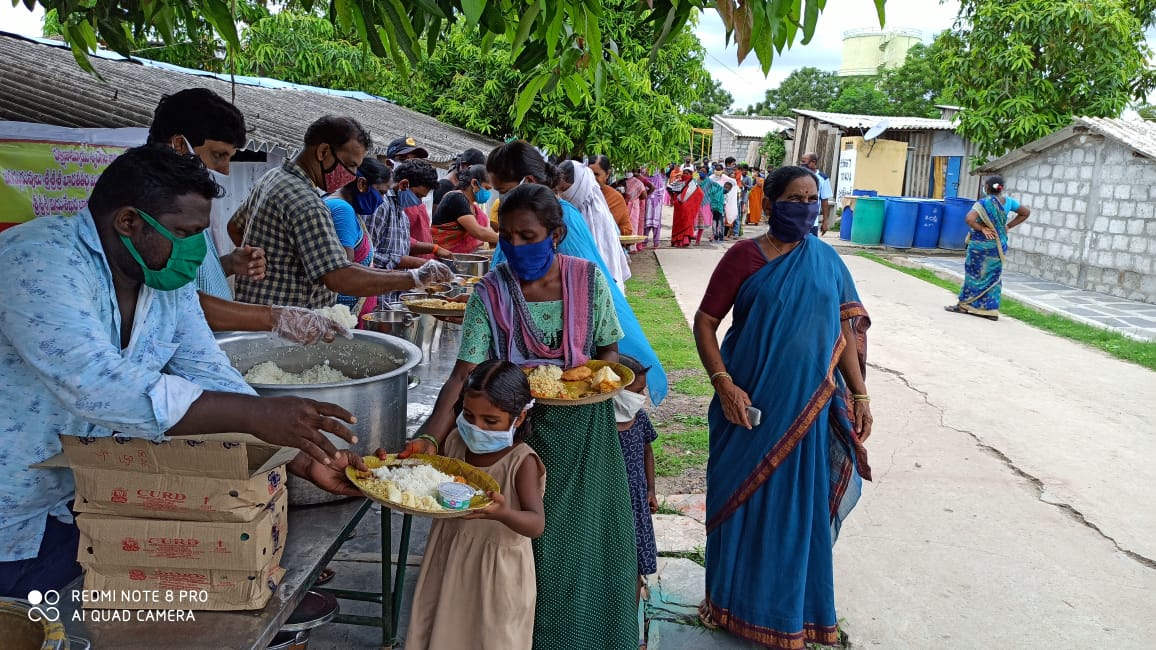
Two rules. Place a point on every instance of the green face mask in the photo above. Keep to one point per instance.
(181, 269)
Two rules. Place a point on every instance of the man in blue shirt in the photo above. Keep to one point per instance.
(811, 161)
(101, 332)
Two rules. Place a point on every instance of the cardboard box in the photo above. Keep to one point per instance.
(140, 587)
(158, 543)
(233, 456)
(163, 496)
(220, 477)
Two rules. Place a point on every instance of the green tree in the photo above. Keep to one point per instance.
(861, 95)
(773, 149)
(714, 100)
(550, 40)
(1021, 69)
(915, 88)
(805, 89)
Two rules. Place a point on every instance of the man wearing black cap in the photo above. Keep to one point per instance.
(403, 149)
(467, 159)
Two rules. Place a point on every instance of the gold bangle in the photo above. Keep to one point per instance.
(860, 398)
(427, 437)
(720, 374)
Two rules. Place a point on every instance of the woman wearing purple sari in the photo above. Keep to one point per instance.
(778, 489)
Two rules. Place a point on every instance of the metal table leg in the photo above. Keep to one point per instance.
(389, 599)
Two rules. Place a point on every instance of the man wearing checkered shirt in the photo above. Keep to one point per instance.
(285, 216)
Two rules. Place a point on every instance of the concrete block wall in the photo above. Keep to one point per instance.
(724, 144)
(1093, 223)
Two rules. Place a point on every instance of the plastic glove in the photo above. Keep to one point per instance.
(306, 327)
(429, 273)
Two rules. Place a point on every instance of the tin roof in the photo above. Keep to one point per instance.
(849, 121)
(1138, 134)
(754, 126)
(43, 84)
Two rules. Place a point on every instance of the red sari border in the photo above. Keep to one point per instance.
(785, 445)
(811, 633)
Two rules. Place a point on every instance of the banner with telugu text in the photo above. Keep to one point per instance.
(46, 170)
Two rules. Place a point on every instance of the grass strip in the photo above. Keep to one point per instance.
(653, 302)
(1142, 353)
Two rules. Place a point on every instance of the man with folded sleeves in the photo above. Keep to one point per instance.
(101, 333)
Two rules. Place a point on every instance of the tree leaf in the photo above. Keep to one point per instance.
(525, 24)
(473, 10)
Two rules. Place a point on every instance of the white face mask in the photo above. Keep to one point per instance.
(484, 441)
(626, 406)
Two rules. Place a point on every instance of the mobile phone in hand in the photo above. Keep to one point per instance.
(755, 416)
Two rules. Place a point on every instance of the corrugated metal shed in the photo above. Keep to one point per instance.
(1140, 135)
(43, 84)
(849, 121)
(754, 126)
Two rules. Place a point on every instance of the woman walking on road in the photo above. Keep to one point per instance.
(986, 245)
(778, 490)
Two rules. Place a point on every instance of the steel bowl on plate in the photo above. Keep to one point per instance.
(379, 365)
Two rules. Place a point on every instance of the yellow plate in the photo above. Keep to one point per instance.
(476, 478)
(630, 240)
(579, 391)
(433, 311)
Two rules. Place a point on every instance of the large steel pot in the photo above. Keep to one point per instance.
(380, 365)
(472, 264)
(24, 627)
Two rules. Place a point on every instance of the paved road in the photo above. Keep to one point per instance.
(1012, 502)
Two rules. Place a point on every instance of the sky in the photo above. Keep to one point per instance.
(747, 83)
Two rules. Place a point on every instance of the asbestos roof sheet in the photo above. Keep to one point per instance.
(754, 126)
(849, 121)
(1138, 134)
(43, 84)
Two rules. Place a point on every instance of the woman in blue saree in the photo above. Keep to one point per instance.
(778, 490)
(986, 246)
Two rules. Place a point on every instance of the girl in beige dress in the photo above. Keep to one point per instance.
(477, 583)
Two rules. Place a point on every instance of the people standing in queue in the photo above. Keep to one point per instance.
(459, 224)
(600, 165)
(414, 183)
(688, 199)
(578, 186)
(284, 215)
(636, 435)
(102, 332)
(199, 122)
(797, 353)
(716, 197)
(350, 207)
(654, 204)
(516, 163)
(477, 585)
(538, 307)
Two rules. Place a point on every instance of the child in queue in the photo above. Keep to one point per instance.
(477, 582)
(636, 434)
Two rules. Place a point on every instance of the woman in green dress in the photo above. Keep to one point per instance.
(543, 308)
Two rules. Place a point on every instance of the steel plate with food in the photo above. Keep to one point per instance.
(435, 307)
(422, 485)
(593, 382)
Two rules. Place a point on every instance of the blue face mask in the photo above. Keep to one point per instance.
(482, 195)
(791, 221)
(367, 202)
(529, 261)
(481, 441)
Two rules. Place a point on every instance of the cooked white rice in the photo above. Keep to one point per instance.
(339, 314)
(421, 480)
(269, 372)
(546, 381)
